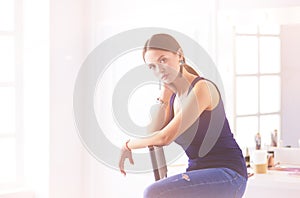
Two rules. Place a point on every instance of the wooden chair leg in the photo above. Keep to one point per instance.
(158, 162)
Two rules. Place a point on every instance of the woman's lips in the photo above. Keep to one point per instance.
(164, 76)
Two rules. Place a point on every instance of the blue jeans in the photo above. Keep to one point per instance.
(211, 182)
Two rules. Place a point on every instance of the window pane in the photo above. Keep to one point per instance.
(269, 94)
(269, 55)
(8, 160)
(269, 29)
(246, 128)
(246, 95)
(246, 29)
(7, 15)
(268, 123)
(7, 112)
(7, 58)
(246, 55)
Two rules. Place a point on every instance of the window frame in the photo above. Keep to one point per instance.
(17, 85)
(258, 75)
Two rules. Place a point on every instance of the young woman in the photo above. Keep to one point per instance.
(196, 120)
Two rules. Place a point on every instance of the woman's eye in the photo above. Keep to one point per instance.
(151, 66)
(162, 61)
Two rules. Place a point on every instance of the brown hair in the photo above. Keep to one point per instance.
(168, 43)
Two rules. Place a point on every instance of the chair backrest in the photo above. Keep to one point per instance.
(158, 162)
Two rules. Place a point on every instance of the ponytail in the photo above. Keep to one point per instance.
(190, 69)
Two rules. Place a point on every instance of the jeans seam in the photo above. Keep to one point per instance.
(199, 184)
(238, 190)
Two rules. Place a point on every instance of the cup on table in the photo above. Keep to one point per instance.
(260, 161)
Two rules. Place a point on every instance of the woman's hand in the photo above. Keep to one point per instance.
(167, 91)
(125, 153)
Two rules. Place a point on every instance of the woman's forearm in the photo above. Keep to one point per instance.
(157, 139)
(158, 118)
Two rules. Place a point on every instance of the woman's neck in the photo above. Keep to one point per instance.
(182, 83)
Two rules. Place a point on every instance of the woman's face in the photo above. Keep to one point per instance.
(164, 64)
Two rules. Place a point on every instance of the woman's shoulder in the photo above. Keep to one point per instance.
(206, 90)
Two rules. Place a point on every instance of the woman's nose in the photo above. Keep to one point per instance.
(161, 68)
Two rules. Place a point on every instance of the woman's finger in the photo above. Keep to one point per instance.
(121, 164)
(131, 160)
(123, 172)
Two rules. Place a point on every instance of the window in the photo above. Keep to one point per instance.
(257, 83)
(10, 94)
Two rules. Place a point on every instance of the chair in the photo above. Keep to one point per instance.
(158, 160)
(157, 154)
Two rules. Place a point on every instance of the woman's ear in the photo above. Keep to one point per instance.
(180, 54)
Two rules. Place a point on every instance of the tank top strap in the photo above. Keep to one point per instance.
(171, 105)
(198, 78)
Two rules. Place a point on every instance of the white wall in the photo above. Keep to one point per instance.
(67, 52)
(36, 96)
(290, 45)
